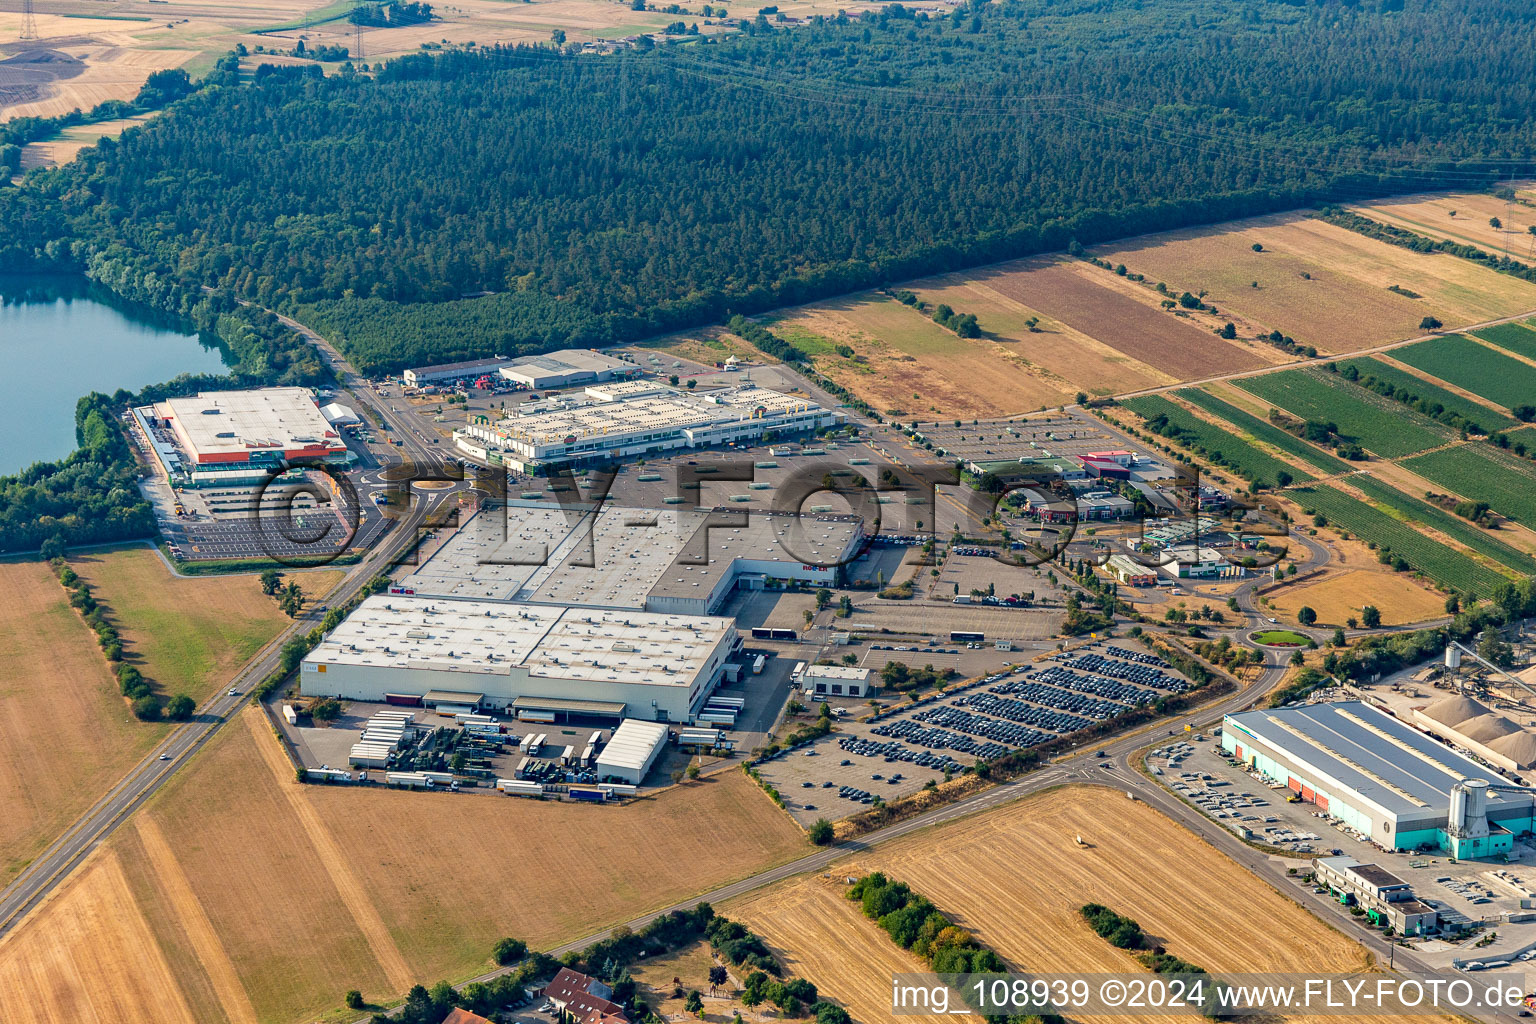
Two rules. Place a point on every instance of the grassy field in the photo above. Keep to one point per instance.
(1198, 903)
(1453, 526)
(1339, 597)
(266, 900)
(904, 361)
(1247, 460)
(1322, 285)
(1378, 424)
(188, 635)
(1444, 565)
(1478, 471)
(1473, 367)
(1519, 338)
(1251, 426)
(708, 347)
(1123, 315)
(65, 734)
(1487, 417)
(1461, 217)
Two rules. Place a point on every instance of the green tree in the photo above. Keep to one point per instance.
(509, 951)
(821, 832)
(354, 999)
(1305, 615)
(327, 709)
(271, 580)
(1370, 616)
(694, 1003)
(179, 708)
(147, 708)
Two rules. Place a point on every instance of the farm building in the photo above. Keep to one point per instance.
(1472, 726)
(1383, 778)
(838, 680)
(223, 438)
(566, 368)
(574, 432)
(654, 560)
(525, 657)
(421, 375)
(632, 750)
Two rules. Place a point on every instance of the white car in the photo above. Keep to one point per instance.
(234, 692)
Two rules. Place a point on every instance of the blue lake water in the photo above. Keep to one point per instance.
(62, 338)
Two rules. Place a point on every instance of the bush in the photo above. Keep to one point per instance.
(509, 951)
(146, 708)
(180, 708)
(354, 999)
(821, 832)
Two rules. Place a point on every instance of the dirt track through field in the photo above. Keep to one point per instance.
(194, 921)
(351, 890)
(87, 956)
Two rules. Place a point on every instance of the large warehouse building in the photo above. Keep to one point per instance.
(659, 561)
(1383, 778)
(522, 657)
(235, 437)
(617, 423)
(567, 368)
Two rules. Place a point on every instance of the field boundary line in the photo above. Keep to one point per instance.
(189, 910)
(352, 892)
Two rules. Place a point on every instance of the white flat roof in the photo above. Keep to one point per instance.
(632, 745)
(849, 672)
(493, 638)
(526, 553)
(231, 422)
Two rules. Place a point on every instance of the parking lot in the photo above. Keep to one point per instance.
(902, 749)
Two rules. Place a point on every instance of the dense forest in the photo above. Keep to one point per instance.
(506, 200)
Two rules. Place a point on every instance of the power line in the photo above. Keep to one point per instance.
(28, 22)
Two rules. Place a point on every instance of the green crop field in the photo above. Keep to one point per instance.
(1387, 428)
(1488, 419)
(1266, 432)
(1216, 444)
(1444, 565)
(1473, 367)
(1519, 338)
(1483, 473)
(1448, 523)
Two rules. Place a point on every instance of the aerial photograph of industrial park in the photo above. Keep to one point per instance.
(643, 512)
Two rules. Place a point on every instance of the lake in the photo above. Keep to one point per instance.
(62, 338)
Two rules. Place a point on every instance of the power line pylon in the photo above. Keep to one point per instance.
(28, 22)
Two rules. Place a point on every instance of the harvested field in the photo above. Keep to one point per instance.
(107, 60)
(65, 735)
(1058, 350)
(72, 140)
(314, 890)
(1140, 863)
(1128, 321)
(904, 361)
(1343, 304)
(1461, 217)
(1340, 596)
(88, 957)
(188, 635)
(708, 347)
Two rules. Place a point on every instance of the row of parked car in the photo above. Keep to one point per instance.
(914, 731)
(893, 751)
(1057, 699)
(1122, 693)
(1145, 675)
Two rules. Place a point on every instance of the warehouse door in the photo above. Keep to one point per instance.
(1322, 802)
(1307, 794)
(1292, 784)
(1240, 752)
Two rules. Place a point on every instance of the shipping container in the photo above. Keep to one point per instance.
(545, 717)
(586, 756)
(619, 789)
(522, 767)
(525, 744)
(758, 664)
(517, 787)
(733, 702)
(589, 795)
(289, 715)
(724, 721)
(565, 754)
(450, 710)
(595, 739)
